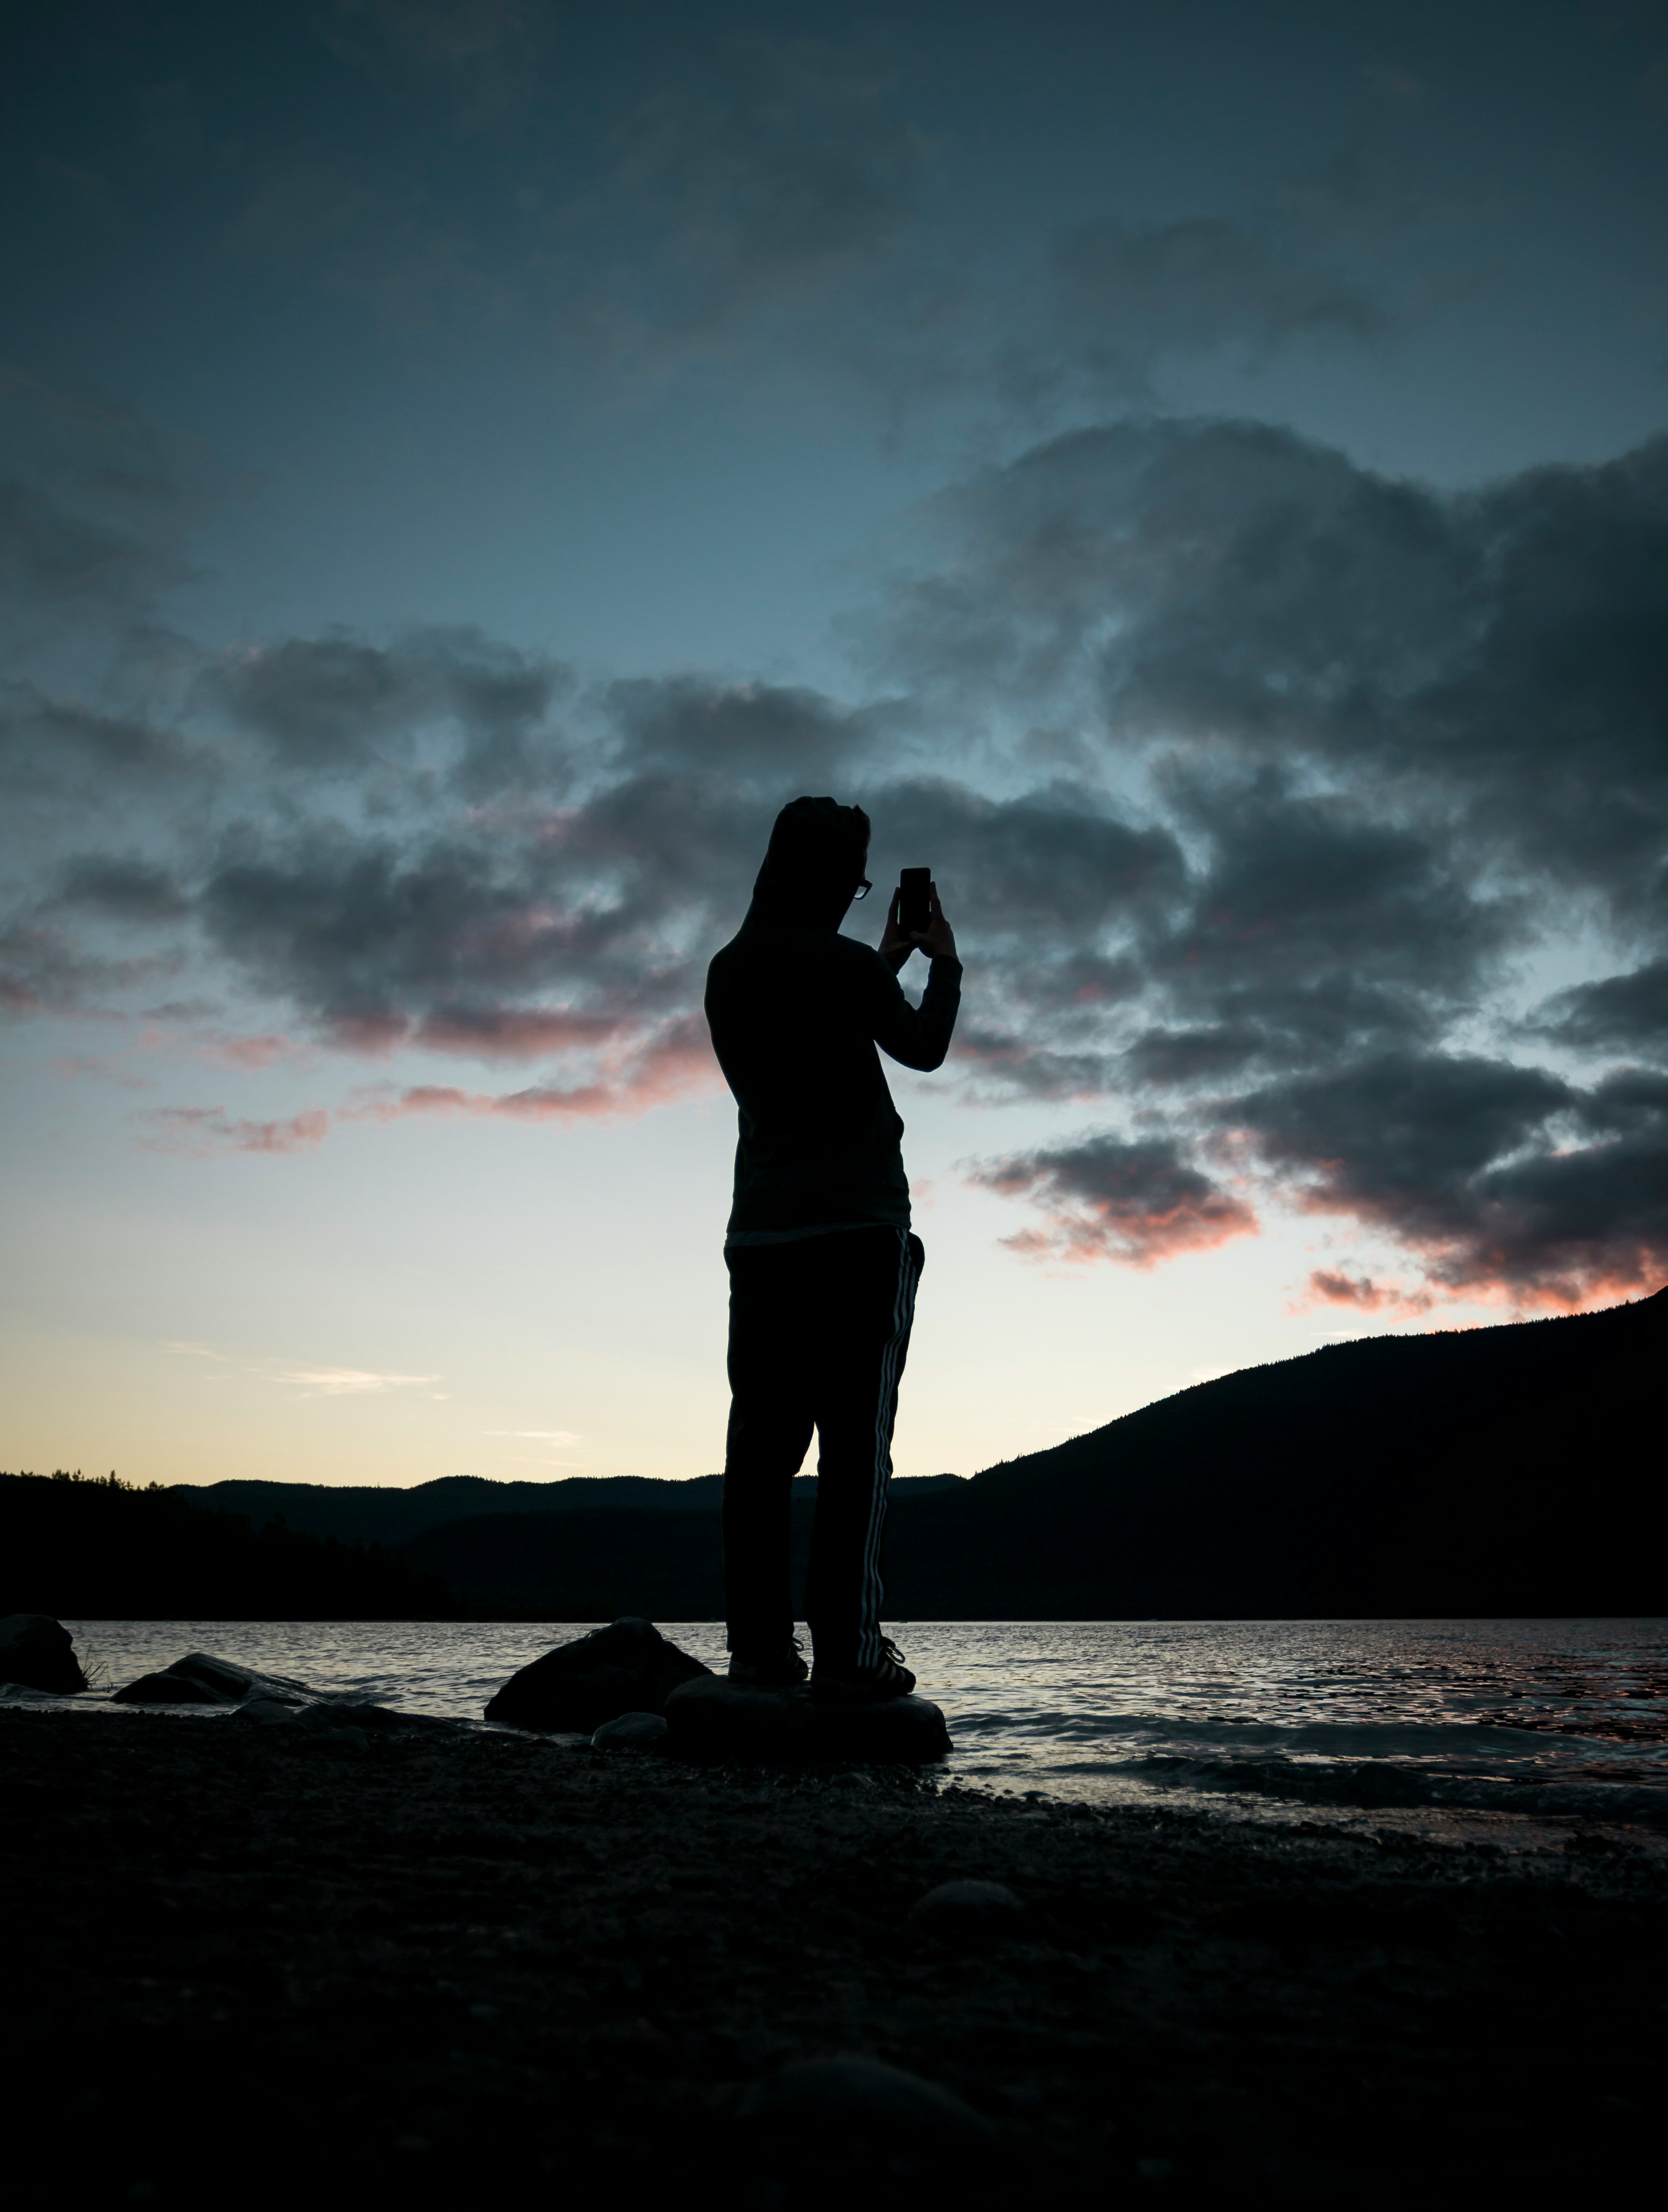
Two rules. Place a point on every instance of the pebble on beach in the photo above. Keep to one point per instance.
(632, 1732)
(856, 2108)
(966, 1910)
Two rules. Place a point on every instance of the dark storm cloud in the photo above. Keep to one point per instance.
(1496, 1174)
(332, 703)
(1399, 734)
(123, 890)
(616, 900)
(1328, 751)
(751, 732)
(55, 746)
(1503, 652)
(1313, 928)
(1620, 1013)
(1055, 866)
(500, 931)
(1106, 1198)
(367, 937)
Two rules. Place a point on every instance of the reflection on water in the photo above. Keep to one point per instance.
(1479, 1712)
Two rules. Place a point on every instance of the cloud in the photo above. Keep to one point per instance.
(1500, 1177)
(1256, 780)
(1127, 295)
(1106, 1199)
(201, 1130)
(123, 889)
(45, 971)
(1363, 1295)
(1237, 590)
(350, 1381)
(676, 1063)
(757, 733)
(1622, 1013)
(335, 704)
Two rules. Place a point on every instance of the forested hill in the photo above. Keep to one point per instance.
(107, 1551)
(363, 1514)
(1507, 1470)
(1500, 1471)
(1512, 1470)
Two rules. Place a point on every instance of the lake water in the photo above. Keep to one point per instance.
(1520, 1717)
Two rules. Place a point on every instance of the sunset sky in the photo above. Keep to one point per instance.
(1196, 474)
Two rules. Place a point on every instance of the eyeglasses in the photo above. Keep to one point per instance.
(863, 889)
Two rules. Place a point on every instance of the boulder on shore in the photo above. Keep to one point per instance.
(714, 1719)
(39, 1653)
(198, 1679)
(627, 1668)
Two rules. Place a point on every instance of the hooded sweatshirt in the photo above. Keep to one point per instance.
(795, 1015)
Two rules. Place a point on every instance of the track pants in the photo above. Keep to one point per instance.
(818, 1331)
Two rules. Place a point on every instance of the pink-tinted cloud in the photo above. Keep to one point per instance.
(103, 1067)
(513, 1032)
(1103, 1199)
(202, 1130)
(246, 1052)
(676, 1062)
(1326, 1287)
(1506, 1183)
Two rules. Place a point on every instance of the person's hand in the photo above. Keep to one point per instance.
(937, 940)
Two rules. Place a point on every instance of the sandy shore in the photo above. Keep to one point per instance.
(247, 1969)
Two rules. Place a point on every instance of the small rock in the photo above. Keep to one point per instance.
(859, 2108)
(267, 1712)
(342, 1742)
(963, 1912)
(632, 1732)
(627, 1668)
(39, 1653)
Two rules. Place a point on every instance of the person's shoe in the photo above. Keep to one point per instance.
(864, 1686)
(782, 1669)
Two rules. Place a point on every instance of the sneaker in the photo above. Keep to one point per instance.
(782, 1669)
(864, 1686)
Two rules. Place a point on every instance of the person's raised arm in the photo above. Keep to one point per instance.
(917, 1036)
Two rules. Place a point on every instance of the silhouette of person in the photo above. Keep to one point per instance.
(822, 1263)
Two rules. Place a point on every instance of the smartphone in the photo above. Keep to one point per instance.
(914, 905)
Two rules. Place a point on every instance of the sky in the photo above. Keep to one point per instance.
(1198, 476)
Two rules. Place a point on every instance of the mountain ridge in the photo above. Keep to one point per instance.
(1502, 1471)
